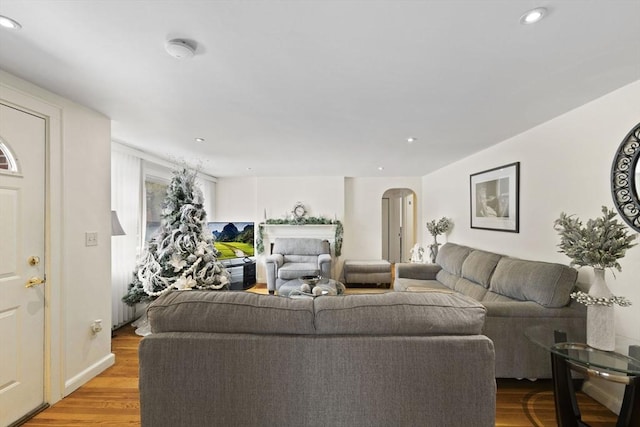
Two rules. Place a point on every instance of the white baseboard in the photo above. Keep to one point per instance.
(612, 401)
(83, 377)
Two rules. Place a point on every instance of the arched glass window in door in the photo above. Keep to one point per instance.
(8, 161)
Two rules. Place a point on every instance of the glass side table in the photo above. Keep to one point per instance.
(608, 365)
(292, 289)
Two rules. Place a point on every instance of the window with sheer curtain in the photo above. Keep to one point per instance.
(126, 177)
(155, 184)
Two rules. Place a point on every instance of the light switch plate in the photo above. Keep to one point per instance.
(91, 238)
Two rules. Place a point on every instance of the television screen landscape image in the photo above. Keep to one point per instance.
(233, 239)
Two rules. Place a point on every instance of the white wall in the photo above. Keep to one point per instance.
(236, 200)
(354, 201)
(363, 213)
(79, 202)
(250, 199)
(564, 166)
(322, 196)
(86, 270)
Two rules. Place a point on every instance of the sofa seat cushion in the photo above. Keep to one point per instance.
(548, 284)
(530, 309)
(404, 284)
(479, 266)
(399, 313)
(230, 312)
(295, 270)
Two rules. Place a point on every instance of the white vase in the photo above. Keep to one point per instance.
(601, 332)
(433, 250)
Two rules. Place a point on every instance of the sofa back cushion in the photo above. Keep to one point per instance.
(392, 313)
(451, 257)
(400, 313)
(302, 259)
(548, 284)
(447, 279)
(230, 312)
(479, 266)
(470, 289)
(300, 246)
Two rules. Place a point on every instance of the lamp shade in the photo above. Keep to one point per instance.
(116, 228)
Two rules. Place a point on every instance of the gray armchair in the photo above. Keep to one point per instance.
(294, 257)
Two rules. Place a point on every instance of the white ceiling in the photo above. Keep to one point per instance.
(323, 88)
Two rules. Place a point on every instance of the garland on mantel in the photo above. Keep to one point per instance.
(337, 247)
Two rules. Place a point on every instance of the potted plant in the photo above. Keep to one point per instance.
(435, 228)
(599, 243)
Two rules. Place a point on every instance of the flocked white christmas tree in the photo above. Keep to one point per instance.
(181, 255)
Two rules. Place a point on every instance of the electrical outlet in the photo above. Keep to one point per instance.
(91, 239)
(96, 326)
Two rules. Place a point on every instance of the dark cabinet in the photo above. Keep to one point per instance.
(242, 271)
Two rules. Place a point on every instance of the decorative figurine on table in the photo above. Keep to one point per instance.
(417, 254)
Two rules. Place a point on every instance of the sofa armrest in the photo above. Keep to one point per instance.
(277, 259)
(324, 259)
(324, 264)
(417, 271)
(272, 263)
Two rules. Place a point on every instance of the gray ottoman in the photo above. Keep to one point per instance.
(374, 272)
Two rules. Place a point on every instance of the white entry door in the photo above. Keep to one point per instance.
(22, 263)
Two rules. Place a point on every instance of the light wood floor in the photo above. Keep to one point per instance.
(112, 399)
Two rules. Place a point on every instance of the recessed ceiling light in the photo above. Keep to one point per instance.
(199, 139)
(411, 140)
(533, 16)
(380, 168)
(9, 23)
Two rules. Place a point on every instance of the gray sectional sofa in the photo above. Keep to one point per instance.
(243, 359)
(516, 293)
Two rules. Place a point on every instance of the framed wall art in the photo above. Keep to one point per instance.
(495, 198)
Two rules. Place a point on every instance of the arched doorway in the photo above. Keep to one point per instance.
(398, 224)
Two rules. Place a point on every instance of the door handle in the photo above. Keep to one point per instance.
(34, 281)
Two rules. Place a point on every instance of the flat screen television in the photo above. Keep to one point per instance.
(233, 239)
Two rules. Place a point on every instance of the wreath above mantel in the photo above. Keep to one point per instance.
(302, 220)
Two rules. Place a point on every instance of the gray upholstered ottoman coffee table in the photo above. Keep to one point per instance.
(374, 272)
(323, 287)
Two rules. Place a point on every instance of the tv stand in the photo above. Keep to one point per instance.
(242, 271)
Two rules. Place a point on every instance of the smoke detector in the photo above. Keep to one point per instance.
(180, 49)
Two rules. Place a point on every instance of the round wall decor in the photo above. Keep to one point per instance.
(625, 178)
(299, 211)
